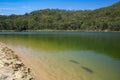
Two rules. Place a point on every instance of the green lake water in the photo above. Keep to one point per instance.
(70, 55)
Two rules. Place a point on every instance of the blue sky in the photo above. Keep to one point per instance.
(8, 7)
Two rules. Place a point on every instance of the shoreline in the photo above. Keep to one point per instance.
(47, 30)
(12, 67)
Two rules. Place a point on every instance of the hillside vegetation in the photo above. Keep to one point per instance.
(103, 19)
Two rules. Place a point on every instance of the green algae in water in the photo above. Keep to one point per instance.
(72, 55)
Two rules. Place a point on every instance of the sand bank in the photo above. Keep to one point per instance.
(12, 67)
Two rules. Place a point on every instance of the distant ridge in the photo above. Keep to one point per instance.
(103, 19)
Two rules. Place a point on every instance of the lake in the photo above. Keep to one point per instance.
(69, 55)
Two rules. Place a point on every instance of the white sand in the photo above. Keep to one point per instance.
(11, 67)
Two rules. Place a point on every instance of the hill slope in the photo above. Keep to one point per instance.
(102, 19)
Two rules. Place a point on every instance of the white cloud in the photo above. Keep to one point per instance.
(6, 9)
(1, 13)
(26, 7)
(13, 9)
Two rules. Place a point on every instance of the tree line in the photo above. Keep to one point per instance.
(103, 19)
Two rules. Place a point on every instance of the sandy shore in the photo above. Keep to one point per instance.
(11, 66)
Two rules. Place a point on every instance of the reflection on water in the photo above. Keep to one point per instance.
(70, 55)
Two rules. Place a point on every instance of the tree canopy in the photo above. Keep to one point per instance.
(102, 19)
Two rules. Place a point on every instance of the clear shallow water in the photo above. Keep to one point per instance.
(70, 55)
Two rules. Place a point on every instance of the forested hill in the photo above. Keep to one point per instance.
(103, 19)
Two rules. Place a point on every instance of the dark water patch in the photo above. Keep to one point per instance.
(73, 61)
(87, 69)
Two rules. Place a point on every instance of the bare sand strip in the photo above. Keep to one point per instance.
(11, 66)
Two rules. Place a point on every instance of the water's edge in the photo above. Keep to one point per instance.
(12, 67)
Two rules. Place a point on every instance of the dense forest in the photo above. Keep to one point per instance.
(103, 19)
